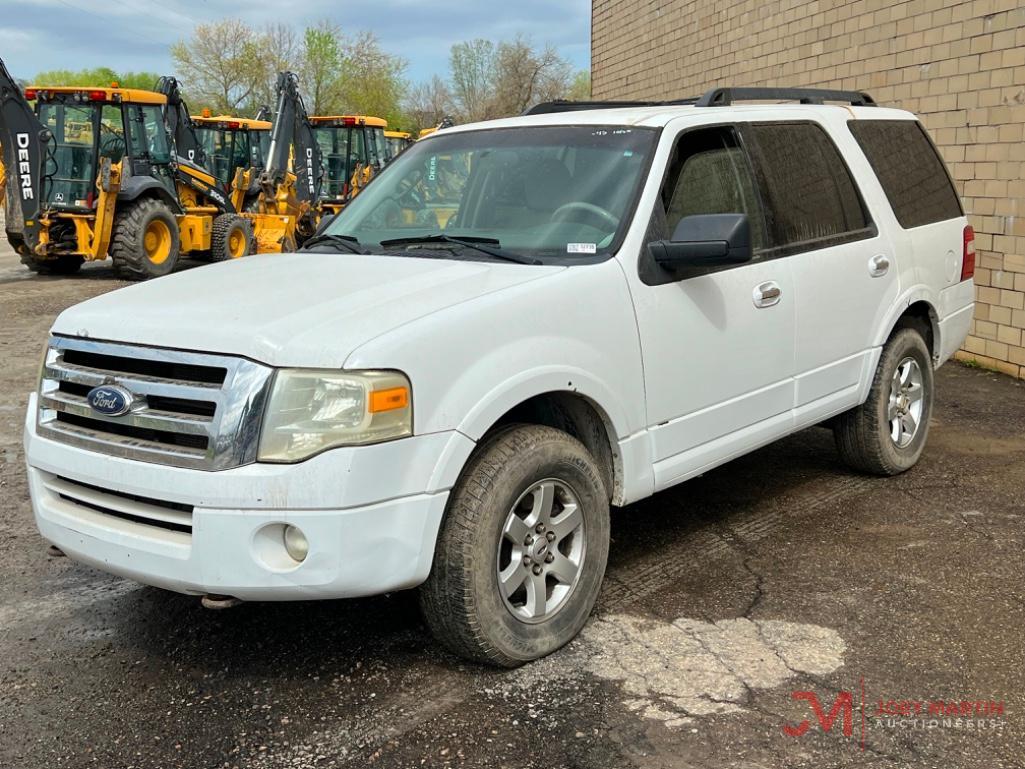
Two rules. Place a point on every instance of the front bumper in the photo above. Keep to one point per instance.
(371, 515)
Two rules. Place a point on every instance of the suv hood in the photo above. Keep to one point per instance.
(307, 309)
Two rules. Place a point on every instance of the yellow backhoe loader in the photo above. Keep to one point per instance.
(232, 143)
(93, 172)
(353, 147)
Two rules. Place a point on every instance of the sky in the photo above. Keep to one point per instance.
(133, 35)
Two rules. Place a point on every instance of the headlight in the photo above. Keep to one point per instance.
(311, 410)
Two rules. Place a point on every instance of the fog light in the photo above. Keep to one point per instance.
(295, 543)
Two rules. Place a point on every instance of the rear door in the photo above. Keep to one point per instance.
(844, 272)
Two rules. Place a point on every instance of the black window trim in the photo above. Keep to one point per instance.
(653, 275)
(936, 151)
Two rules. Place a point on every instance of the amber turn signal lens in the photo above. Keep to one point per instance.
(389, 400)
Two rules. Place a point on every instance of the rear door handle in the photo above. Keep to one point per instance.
(767, 294)
(878, 265)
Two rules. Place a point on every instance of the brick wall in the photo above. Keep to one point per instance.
(960, 66)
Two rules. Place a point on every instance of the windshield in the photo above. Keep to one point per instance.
(552, 193)
(342, 149)
(226, 151)
(76, 129)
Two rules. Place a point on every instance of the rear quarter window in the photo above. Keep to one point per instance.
(909, 169)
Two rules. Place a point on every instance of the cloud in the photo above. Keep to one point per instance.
(136, 34)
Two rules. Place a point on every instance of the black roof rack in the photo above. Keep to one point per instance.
(564, 105)
(721, 97)
(716, 97)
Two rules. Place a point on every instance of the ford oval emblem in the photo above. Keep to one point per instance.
(110, 400)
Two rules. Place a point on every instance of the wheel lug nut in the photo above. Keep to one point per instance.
(540, 528)
(537, 569)
(549, 558)
(527, 560)
(550, 536)
(528, 541)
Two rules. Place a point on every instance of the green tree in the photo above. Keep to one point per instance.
(580, 87)
(101, 77)
(372, 81)
(320, 69)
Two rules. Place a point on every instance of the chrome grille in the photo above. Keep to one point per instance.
(189, 409)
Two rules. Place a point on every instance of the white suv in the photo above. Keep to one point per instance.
(516, 325)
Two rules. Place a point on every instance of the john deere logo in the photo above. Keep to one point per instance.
(109, 400)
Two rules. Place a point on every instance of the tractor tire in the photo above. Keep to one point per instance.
(65, 264)
(231, 238)
(145, 242)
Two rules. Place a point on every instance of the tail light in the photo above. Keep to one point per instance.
(968, 254)
(97, 95)
(30, 94)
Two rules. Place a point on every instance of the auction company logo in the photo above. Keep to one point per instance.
(921, 714)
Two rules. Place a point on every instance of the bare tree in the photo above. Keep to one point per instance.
(428, 103)
(223, 64)
(473, 67)
(525, 76)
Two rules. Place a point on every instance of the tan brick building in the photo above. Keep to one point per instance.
(959, 65)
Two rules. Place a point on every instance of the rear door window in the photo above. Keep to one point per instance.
(810, 198)
(909, 169)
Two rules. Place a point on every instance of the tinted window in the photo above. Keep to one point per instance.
(808, 192)
(909, 169)
(710, 174)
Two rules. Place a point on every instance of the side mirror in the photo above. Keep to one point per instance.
(705, 240)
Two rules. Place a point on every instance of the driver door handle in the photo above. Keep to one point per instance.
(767, 294)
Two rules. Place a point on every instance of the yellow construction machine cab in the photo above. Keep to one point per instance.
(232, 143)
(113, 186)
(397, 141)
(353, 148)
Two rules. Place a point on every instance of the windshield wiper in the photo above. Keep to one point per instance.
(470, 241)
(347, 242)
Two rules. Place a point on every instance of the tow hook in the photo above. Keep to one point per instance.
(219, 601)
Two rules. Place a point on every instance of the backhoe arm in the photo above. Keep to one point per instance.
(292, 128)
(179, 122)
(24, 140)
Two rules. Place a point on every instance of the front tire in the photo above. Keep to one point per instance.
(63, 264)
(522, 550)
(886, 434)
(231, 238)
(146, 242)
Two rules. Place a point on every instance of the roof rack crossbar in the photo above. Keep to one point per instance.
(716, 97)
(722, 97)
(564, 105)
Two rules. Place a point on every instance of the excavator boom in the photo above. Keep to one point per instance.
(25, 145)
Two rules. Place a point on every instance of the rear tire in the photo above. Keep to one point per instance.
(145, 242)
(886, 434)
(231, 238)
(65, 264)
(529, 512)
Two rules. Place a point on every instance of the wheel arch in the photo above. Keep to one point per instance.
(567, 400)
(136, 187)
(915, 309)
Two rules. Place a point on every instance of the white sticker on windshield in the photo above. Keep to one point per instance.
(581, 248)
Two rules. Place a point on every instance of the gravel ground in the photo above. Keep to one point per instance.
(778, 574)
